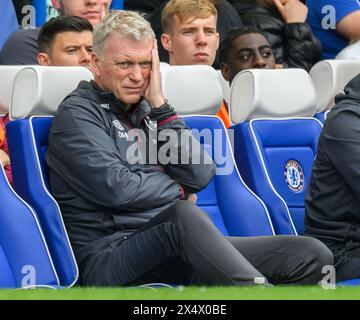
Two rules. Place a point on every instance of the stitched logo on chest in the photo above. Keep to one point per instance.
(121, 130)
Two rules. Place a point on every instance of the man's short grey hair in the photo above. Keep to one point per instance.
(129, 24)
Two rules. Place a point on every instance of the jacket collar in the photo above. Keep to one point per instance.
(107, 101)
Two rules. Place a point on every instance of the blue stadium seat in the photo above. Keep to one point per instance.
(8, 22)
(33, 93)
(117, 4)
(275, 140)
(329, 78)
(232, 206)
(40, 10)
(24, 256)
(195, 93)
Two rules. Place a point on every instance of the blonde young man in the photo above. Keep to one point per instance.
(135, 222)
(190, 35)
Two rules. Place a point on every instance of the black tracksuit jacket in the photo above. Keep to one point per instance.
(102, 196)
(333, 196)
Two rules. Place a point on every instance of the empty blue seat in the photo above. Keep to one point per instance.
(34, 92)
(275, 140)
(24, 256)
(232, 206)
(195, 93)
(28, 142)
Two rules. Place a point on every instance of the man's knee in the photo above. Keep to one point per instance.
(314, 250)
(187, 210)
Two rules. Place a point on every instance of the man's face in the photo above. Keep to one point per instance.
(69, 49)
(124, 67)
(192, 41)
(92, 10)
(249, 51)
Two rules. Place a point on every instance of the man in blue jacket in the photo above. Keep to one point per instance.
(8, 22)
(132, 217)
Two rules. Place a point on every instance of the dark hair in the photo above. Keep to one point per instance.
(232, 35)
(58, 25)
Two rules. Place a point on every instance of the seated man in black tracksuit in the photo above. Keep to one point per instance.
(131, 217)
(333, 197)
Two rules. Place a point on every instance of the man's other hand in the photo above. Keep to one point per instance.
(292, 11)
(192, 198)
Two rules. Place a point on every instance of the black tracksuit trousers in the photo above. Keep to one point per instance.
(181, 245)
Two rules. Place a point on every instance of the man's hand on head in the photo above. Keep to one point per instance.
(153, 93)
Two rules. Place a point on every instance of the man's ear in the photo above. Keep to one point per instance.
(43, 59)
(95, 65)
(218, 40)
(166, 42)
(225, 71)
(56, 4)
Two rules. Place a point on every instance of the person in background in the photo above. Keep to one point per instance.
(335, 22)
(190, 36)
(244, 48)
(284, 23)
(21, 48)
(227, 19)
(8, 22)
(65, 41)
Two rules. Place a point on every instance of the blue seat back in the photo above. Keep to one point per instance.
(320, 116)
(117, 4)
(40, 10)
(232, 206)
(275, 158)
(7, 279)
(28, 140)
(24, 256)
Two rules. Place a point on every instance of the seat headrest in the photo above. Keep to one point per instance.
(192, 89)
(351, 52)
(260, 93)
(39, 90)
(7, 75)
(225, 85)
(330, 77)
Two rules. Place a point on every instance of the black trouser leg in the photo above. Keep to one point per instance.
(182, 240)
(286, 259)
(348, 262)
(182, 233)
